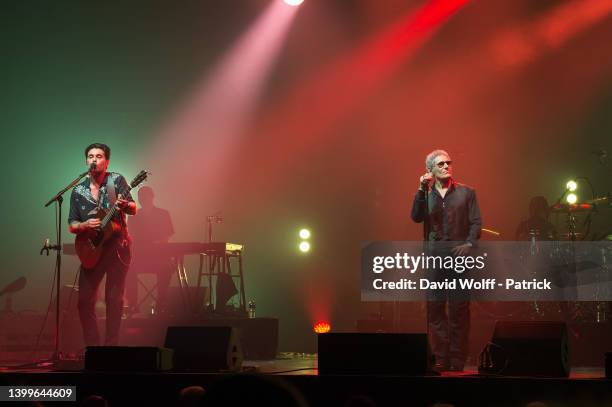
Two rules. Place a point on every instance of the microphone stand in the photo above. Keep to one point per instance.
(426, 250)
(58, 260)
(212, 261)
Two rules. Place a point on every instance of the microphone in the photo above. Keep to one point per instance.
(92, 167)
(601, 154)
(425, 184)
(214, 218)
(46, 247)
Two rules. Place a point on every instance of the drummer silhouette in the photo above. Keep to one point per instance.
(537, 224)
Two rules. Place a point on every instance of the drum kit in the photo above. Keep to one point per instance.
(563, 251)
(597, 311)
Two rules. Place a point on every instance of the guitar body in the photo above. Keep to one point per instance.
(90, 245)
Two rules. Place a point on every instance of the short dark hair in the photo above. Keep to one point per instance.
(101, 146)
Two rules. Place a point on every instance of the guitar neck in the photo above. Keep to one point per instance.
(112, 211)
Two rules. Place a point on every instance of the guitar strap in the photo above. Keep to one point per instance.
(112, 194)
(124, 252)
(110, 189)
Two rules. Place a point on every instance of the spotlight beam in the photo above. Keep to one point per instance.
(337, 90)
(209, 124)
(522, 45)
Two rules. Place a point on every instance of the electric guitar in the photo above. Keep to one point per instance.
(89, 245)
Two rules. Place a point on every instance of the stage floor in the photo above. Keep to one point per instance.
(586, 386)
(287, 363)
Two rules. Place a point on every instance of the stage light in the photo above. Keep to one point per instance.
(571, 185)
(571, 198)
(293, 2)
(322, 327)
(304, 247)
(304, 234)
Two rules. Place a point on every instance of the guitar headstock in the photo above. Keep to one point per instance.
(139, 179)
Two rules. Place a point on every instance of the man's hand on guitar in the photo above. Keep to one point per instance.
(122, 203)
(125, 205)
(90, 224)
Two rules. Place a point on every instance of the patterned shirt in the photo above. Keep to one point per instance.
(83, 206)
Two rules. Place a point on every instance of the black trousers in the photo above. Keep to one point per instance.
(448, 318)
(449, 331)
(114, 263)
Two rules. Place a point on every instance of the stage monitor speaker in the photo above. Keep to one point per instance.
(374, 353)
(527, 348)
(127, 358)
(205, 348)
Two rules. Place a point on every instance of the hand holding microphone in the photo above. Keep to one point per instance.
(425, 180)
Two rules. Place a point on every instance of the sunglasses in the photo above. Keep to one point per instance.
(441, 164)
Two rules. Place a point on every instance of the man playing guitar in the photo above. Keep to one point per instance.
(98, 193)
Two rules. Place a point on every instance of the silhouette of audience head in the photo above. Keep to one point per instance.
(94, 401)
(191, 396)
(243, 389)
(360, 400)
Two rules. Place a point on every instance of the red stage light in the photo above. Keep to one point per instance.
(322, 327)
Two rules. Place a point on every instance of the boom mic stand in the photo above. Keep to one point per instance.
(58, 260)
(426, 250)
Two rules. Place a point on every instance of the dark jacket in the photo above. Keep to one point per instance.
(456, 217)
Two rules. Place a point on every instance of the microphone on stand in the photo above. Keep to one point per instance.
(46, 247)
(602, 155)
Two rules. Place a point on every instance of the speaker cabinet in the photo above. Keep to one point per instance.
(374, 353)
(258, 336)
(527, 348)
(204, 348)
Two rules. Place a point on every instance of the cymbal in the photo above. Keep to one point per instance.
(606, 199)
(564, 208)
